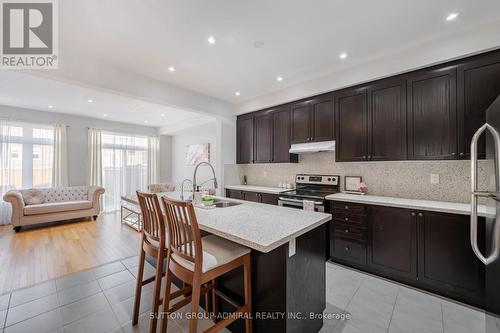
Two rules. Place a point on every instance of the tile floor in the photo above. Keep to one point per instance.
(378, 305)
(101, 300)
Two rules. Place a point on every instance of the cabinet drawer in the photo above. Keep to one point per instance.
(349, 250)
(349, 207)
(349, 231)
(347, 218)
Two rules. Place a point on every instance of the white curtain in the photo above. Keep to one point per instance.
(95, 156)
(60, 169)
(153, 159)
(6, 171)
(124, 167)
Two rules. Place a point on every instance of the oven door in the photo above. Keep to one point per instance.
(299, 204)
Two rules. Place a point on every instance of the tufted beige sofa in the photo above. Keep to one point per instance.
(62, 203)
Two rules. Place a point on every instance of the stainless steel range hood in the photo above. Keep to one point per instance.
(312, 147)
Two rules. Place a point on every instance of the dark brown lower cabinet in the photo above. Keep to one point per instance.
(428, 250)
(393, 240)
(266, 198)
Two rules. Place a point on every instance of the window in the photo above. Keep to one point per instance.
(124, 167)
(27, 156)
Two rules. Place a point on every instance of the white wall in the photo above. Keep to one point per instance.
(486, 37)
(206, 133)
(165, 159)
(77, 134)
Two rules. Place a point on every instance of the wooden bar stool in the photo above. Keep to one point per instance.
(154, 242)
(198, 262)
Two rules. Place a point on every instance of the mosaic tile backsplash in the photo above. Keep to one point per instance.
(405, 179)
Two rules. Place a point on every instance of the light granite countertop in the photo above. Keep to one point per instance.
(261, 189)
(261, 227)
(435, 206)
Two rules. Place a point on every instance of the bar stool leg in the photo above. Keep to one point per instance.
(214, 301)
(156, 292)
(195, 301)
(166, 301)
(248, 291)
(138, 286)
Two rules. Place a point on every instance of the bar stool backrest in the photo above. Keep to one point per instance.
(185, 237)
(153, 223)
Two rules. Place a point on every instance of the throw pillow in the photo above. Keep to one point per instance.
(33, 197)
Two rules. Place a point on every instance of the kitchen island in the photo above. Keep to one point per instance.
(288, 263)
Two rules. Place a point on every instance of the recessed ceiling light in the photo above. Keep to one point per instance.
(211, 40)
(50, 106)
(279, 78)
(171, 69)
(105, 115)
(343, 55)
(237, 93)
(163, 115)
(145, 121)
(90, 100)
(258, 44)
(451, 16)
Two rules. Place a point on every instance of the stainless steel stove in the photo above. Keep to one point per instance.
(312, 188)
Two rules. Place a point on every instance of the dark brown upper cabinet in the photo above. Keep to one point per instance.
(478, 84)
(282, 136)
(432, 114)
(313, 120)
(393, 240)
(263, 138)
(244, 139)
(352, 121)
(387, 120)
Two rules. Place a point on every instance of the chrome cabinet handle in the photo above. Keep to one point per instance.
(346, 207)
(346, 231)
(461, 154)
(495, 243)
(420, 215)
(347, 248)
(347, 219)
(412, 213)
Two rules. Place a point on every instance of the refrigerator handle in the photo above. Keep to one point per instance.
(495, 247)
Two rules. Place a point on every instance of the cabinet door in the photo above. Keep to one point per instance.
(263, 138)
(322, 119)
(432, 112)
(234, 194)
(281, 136)
(478, 86)
(267, 198)
(352, 132)
(393, 240)
(445, 257)
(245, 144)
(387, 121)
(251, 196)
(301, 122)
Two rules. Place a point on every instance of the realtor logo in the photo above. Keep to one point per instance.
(29, 34)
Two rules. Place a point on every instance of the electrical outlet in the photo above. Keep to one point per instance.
(265, 174)
(434, 178)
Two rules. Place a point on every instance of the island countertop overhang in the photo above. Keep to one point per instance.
(261, 227)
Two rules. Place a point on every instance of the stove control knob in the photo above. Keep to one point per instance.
(329, 179)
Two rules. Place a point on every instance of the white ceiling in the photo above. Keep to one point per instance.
(302, 39)
(27, 91)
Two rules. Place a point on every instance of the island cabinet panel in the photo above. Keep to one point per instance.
(478, 83)
(352, 121)
(263, 138)
(301, 122)
(245, 140)
(427, 250)
(393, 240)
(445, 257)
(387, 120)
(432, 113)
(282, 136)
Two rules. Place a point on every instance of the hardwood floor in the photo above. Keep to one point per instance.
(39, 254)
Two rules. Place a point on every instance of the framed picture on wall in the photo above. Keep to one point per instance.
(351, 184)
(198, 153)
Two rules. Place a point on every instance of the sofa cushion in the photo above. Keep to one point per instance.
(70, 193)
(33, 196)
(55, 207)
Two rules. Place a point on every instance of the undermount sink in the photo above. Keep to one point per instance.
(224, 204)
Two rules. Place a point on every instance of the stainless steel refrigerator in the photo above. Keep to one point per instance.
(488, 193)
